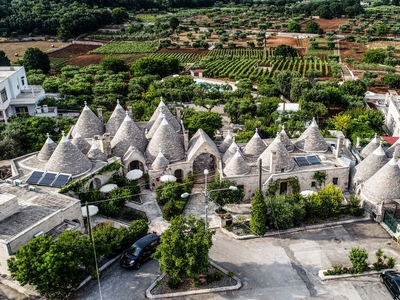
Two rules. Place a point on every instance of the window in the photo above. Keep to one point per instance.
(23, 110)
(335, 180)
(283, 188)
(23, 80)
(3, 94)
(313, 184)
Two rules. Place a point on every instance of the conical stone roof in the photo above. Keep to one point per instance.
(133, 153)
(230, 152)
(162, 108)
(384, 184)
(128, 134)
(394, 150)
(226, 143)
(312, 140)
(370, 147)
(286, 141)
(255, 146)
(156, 124)
(116, 119)
(79, 142)
(282, 157)
(96, 154)
(47, 150)
(88, 124)
(369, 166)
(236, 165)
(68, 159)
(168, 141)
(161, 162)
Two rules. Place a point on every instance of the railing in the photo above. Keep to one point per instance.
(390, 221)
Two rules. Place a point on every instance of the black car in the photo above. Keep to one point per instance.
(392, 281)
(140, 251)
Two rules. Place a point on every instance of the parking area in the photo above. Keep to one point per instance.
(280, 267)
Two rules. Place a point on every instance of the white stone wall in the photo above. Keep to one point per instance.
(392, 120)
(8, 205)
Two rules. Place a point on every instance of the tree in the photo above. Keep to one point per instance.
(4, 60)
(298, 85)
(313, 27)
(258, 218)
(341, 122)
(353, 87)
(286, 51)
(326, 203)
(293, 26)
(374, 56)
(267, 109)
(184, 249)
(119, 15)
(114, 64)
(35, 59)
(226, 195)
(206, 120)
(162, 66)
(283, 80)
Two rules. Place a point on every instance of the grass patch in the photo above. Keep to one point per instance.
(127, 48)
(322, 48)
(147, 18)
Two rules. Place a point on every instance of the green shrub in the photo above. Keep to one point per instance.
(173, 283)
(354, 207)
(169, 210)
(358, 257)
(196, 282)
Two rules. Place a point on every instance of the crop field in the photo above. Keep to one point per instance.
(238, 53)
(127, 48)
(184, 57)
(10, 48)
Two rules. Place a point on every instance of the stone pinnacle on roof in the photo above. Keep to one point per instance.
(95, 153)
(88, 124)
(311, 140)
(68, 159)
(79, 142)
(285, 140)
(281, 157)
(369, 166)
(370, 147)
(168, 140)
(383, 185)
(156, 124)
(47, 150)
(230, 152)
(225, 143)
(161, 162)
(162, 108)
(116, 119)
(128, 134)
(255, 146)
(236, 165)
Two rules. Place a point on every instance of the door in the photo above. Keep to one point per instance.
(283, 188)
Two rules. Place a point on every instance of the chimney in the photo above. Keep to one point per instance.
(178, 114)
(100, 114)
(339, 146)
(130, 113)
(186, 139)
(396, 152)
(106, 144)
(272, 166)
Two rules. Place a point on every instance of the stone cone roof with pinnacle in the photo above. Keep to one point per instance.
(128, 134)
(133, 153)
(384, 184)
(226, 143)
(236, 165)
(168, 141)
(255, 146)
(116, 119)
(286, 141)
(312, 140)
(369, 166)
(161, 162)
(88, 124)
(47, 150)
(370, 147)
(79, 142)
(394, 150)
(162, 108)
(96, 154)
(282, 157)
(230, 152)
(156, 124)
(68, 159)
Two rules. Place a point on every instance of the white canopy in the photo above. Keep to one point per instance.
(166, 178)
(134, 174)
(108, 187)
(93, 210)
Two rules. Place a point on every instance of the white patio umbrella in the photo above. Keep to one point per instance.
(307, 193)
(134, 174)
(108, 188)
(93, 210)
(166, 178)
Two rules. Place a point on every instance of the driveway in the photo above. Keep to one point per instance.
(280, 267)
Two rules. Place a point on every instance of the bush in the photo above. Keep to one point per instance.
(354, 207)
(358, 257)
(169, 210)
(173, 283)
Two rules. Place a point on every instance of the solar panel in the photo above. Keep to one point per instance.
(47, 179)
(301, 161)
(313, 160)
(61, 180)
(35, 177)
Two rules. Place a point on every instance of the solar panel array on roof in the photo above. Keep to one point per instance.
(48, 178)
(307, 160)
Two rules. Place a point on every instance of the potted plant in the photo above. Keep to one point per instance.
(228, 219)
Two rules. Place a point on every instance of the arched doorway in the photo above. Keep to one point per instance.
(179, 175)
(135, 165)
(95, 183)
(202, 162)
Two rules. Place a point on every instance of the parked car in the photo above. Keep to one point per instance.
(392, 281)
(140, 251)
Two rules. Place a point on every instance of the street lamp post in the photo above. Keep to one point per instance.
(206, 193)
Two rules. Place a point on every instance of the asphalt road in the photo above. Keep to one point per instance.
(280, 267)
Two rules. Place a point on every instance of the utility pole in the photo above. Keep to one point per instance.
(259, 174)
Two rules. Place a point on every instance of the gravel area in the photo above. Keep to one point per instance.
(187, 285)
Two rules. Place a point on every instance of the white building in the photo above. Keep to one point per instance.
(18, 98)
(392, 120)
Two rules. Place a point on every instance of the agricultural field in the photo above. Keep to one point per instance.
(10, 48)
(127, 48)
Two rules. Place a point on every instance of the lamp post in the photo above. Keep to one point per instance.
(206, 194)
